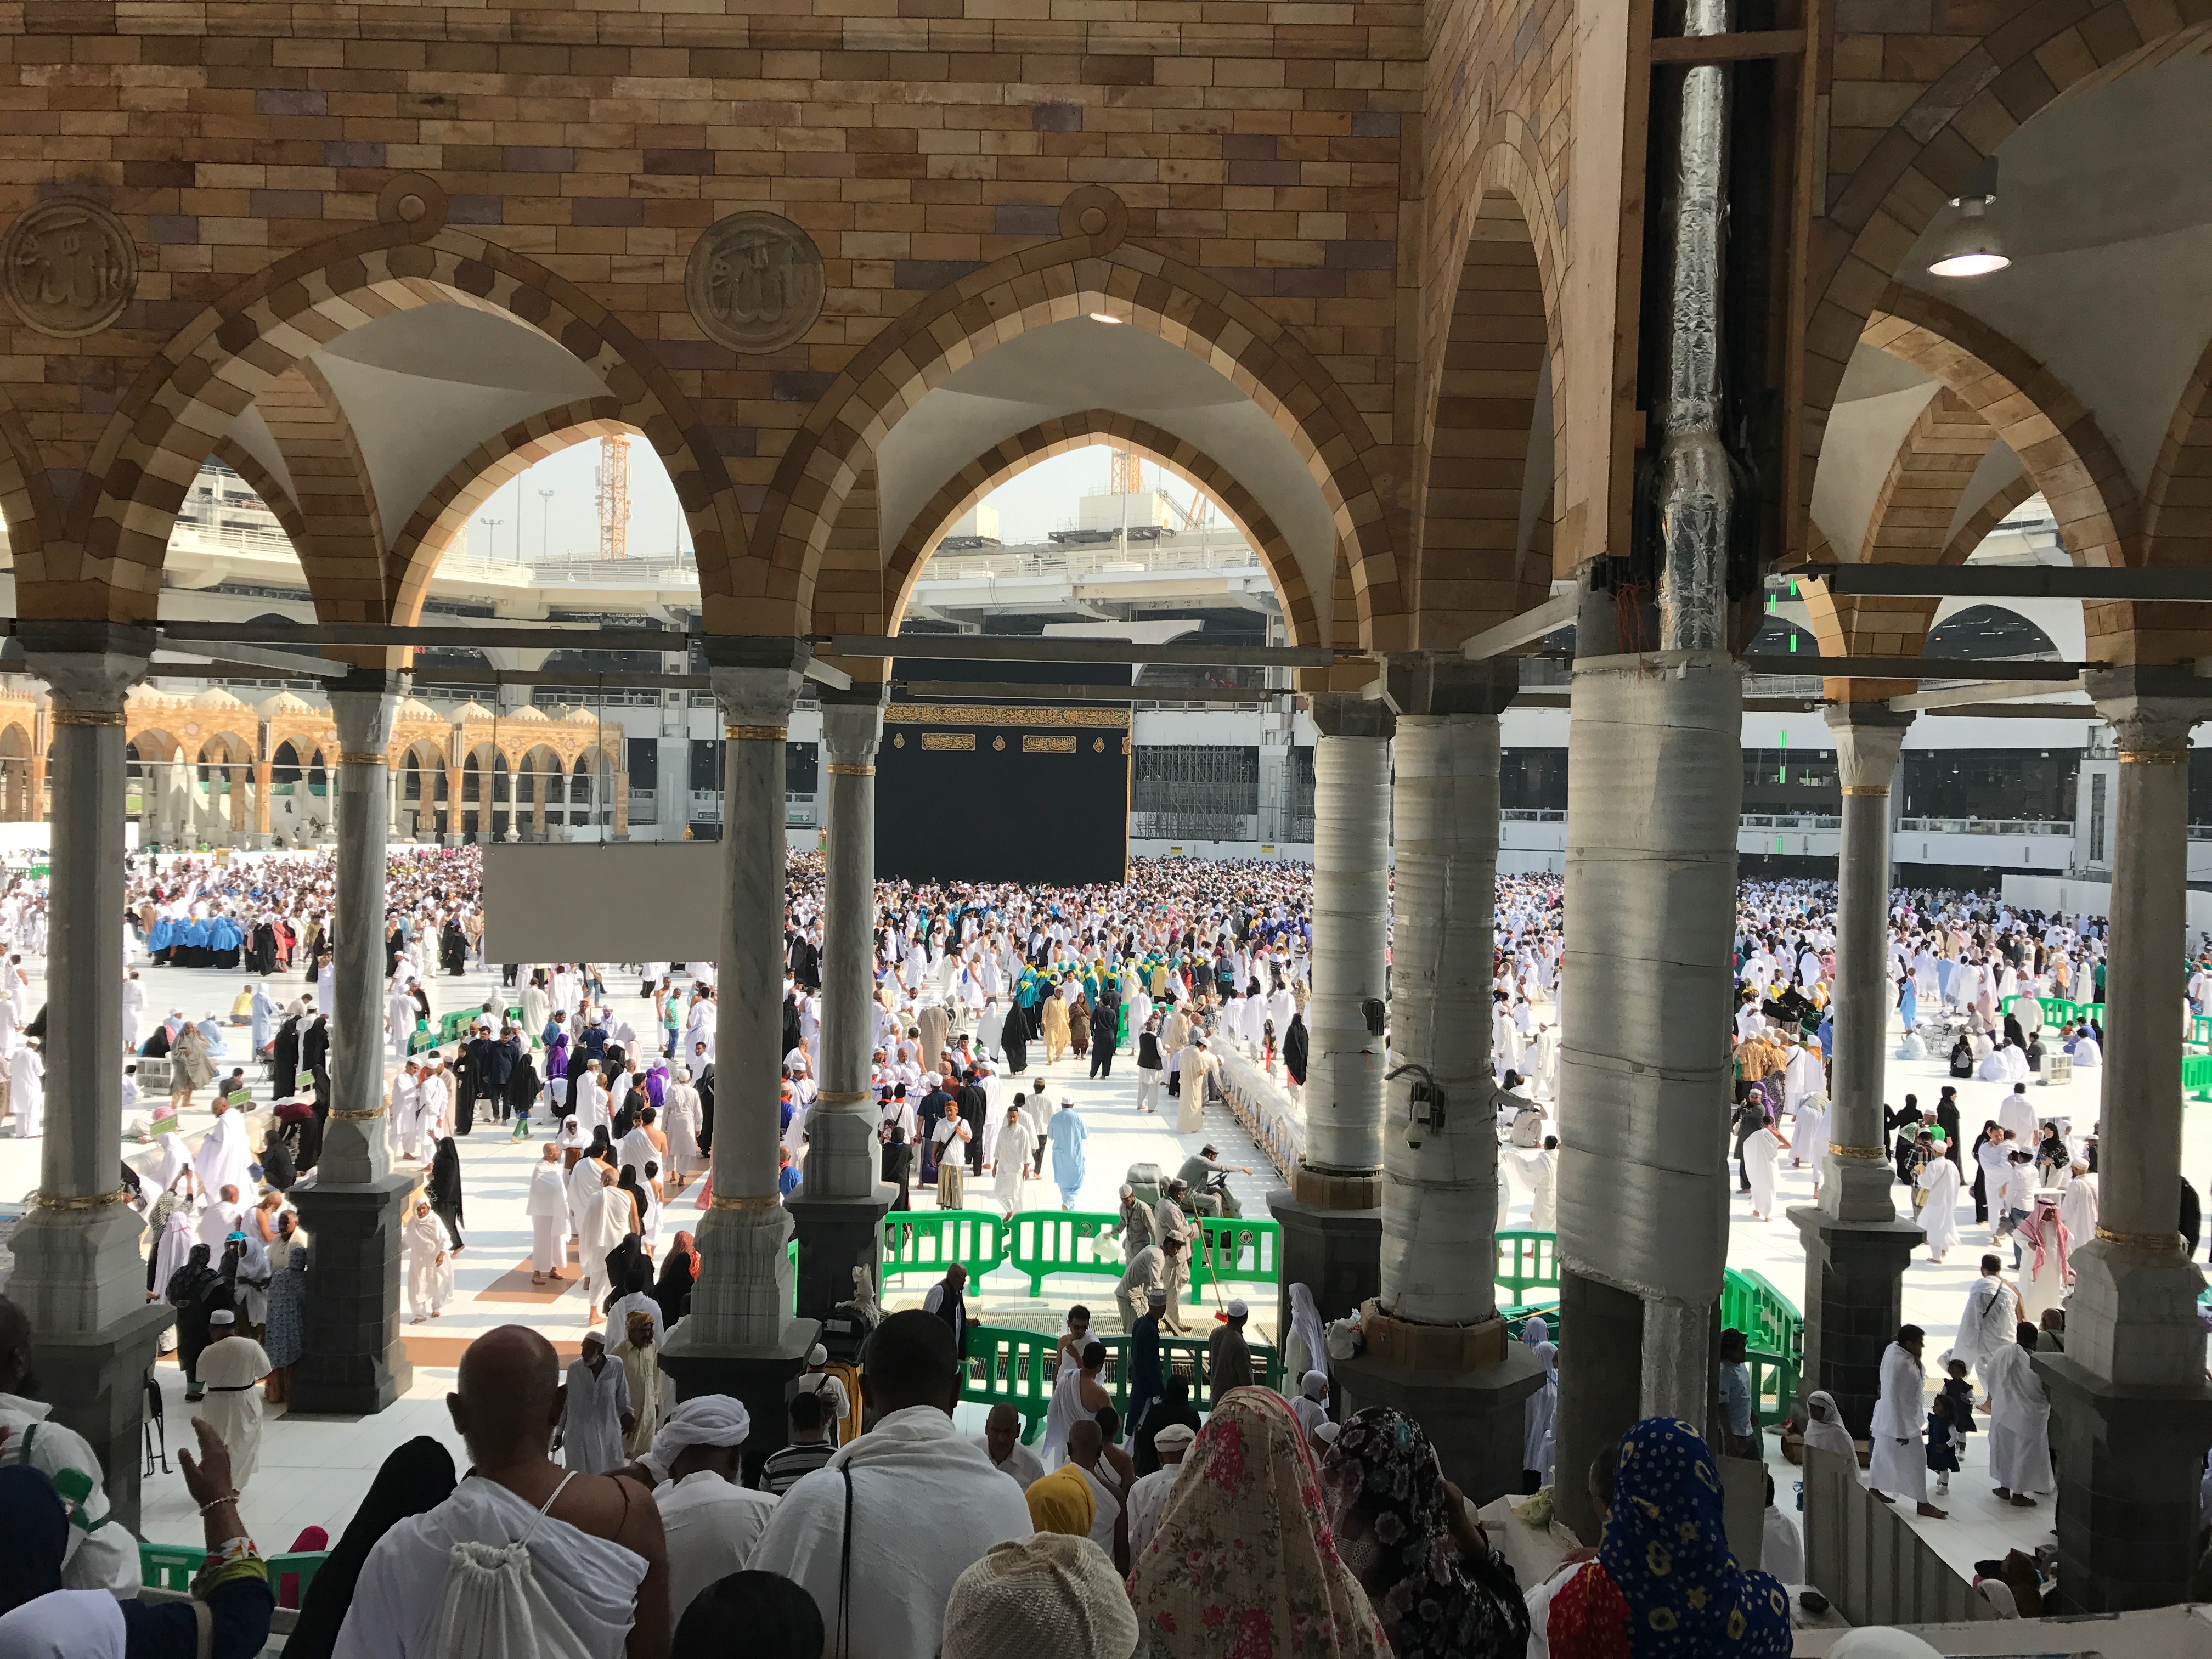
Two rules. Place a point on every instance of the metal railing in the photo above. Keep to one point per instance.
(1991, 826)
(1198, 552)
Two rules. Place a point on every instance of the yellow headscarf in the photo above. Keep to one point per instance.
(1062, 1502)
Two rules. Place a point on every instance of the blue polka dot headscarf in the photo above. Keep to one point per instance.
(1666, 1548)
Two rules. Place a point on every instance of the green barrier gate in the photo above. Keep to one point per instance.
(173, 1566)
(927, 1242)
(1008, 1367)
(2196, 1076)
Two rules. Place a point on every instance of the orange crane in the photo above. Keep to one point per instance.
(613, 480)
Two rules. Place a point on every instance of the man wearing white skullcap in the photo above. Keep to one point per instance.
(1148, 1497)
(1229, 1358)
(838, 1405)
(1049, 1593)
(711, 1521)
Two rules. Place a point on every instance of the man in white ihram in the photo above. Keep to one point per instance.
(1898, 1463)
(521, 1560)
(912, 1462)
(1992, 1311)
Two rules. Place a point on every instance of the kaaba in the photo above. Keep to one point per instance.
(1003, 791)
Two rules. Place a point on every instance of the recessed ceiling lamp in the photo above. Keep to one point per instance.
(1970, 245)
(1104, 317)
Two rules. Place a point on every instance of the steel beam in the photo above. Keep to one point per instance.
(2012, 581)
(1001, 648)
(1555, 613)
(1015, 691)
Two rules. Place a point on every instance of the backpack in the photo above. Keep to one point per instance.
(492, 1606)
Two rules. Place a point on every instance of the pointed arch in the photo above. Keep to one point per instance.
(1055, 281)
(1070, 431)
(342, 549)
(444, 512)
(118, 523)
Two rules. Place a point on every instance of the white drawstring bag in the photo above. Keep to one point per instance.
(493, 1607)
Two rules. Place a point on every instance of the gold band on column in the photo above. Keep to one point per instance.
(839, 769)
(756, 733)
(2154, 757)
(65, 1201)
(360, 758)
(2156, 1243)
(844, 1096)
(771, 1202)
(1866, 788)
(1876, 1153)
(87, 717)
(362, 1116)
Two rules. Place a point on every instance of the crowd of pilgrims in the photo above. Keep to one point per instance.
(1345, 1537)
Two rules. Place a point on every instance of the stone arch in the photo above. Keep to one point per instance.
(277, 499)
(1055, 281)
(340, 536)
(445, 512)
(1470, 569)
(987, 472)
(118, 523)
(1928, 155)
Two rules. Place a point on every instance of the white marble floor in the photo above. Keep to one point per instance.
(315, 1470)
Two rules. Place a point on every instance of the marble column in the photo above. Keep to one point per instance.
(741, 1338)
(357, 1208)
(1856, 1248)
(2132, 1411)
(1436, 1347)
(1330, 1214)
(79, 1277)
(840, 1206)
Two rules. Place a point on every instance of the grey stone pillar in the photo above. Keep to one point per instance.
(741, 1338)
(357, 1209)
(2129, 1397)
(79, 1277)
(840, 1206)
(1856, 1248)
(1330, 1214)
(1654, 787)
(1435, 1344)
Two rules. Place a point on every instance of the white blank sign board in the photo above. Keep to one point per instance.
(651, 901)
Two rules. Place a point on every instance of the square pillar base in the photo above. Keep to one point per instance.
(1475, 1418)
(1854, 1303)
(754, 1376)
(1335, 1254)
(96, 1382)
(836, 1235)
(356, 1360)
(2129, 1463)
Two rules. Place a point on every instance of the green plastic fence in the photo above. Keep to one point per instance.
(1239, 1250)
(1047, 1241)
(2196, 1075)
(1527, 1259)
(927, 1242)
(1014, 1368)
(2059, 1009)
(171, 1567)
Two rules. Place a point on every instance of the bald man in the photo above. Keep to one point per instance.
(598, 1554)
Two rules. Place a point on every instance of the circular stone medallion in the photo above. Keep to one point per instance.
(754, 281)
(68, 267)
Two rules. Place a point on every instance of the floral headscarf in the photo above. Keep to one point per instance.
(1243, 1565)
(1434, 1604)
(1666, 1549)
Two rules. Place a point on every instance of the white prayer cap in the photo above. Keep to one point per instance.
(1157, 1296)
(222, 1317)
(1050, 1593)
(818, 1355)
(1175, 1437)
(1324, 1432)
(706, 1419)
(1239, 1310)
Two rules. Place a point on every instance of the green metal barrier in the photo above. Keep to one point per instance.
(1768, 1319)
(2059, 1011)
(1007, 1367)
(1047, 1241)
(2200, 1030)
(171, 1567)
(2196, 1075)
(1527, 1259)
(927, 1242)
(1243, 1251)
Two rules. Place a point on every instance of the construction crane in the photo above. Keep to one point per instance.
(1125, 473)
(613, 480)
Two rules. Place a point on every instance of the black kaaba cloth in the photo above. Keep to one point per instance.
(977, 792)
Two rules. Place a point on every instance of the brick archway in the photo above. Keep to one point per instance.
(109, 561)
(1925, 153)
(446, 510)
(1059, 436)
(1059, 281)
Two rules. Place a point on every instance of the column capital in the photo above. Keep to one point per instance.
(1350, 714)
(756, 678)
(90, 667)
(1430, 683)
(363, 705)
(1868, 738)
(2150, 710)
(852, 723)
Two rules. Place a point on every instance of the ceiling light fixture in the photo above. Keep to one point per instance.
(1104, 317)
(1970, 245)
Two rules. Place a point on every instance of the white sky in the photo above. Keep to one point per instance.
(1041, 499)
